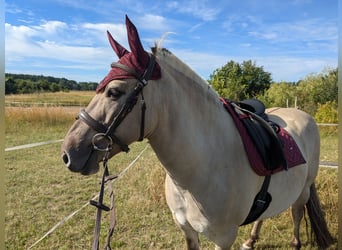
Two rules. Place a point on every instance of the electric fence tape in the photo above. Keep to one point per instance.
(121, 174)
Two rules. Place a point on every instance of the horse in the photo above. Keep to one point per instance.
(209, 184)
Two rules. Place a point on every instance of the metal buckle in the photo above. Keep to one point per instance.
(102, 142)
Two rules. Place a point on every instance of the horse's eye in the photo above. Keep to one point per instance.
(114, 93)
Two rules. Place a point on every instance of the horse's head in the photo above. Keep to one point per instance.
(115, 117)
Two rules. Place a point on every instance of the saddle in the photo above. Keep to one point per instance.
(267, 146)
(263, 132)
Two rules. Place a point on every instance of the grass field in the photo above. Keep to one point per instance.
(41, 192)
(71, 98)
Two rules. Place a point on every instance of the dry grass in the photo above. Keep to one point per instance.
(33, 124)
(329, 146)
(72, 98)
(49, 116)
(41, 192)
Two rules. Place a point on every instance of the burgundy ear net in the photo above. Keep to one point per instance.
(137, 60)
(135, 43)
(119, 50)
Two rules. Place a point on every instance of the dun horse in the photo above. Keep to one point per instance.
(210, 185)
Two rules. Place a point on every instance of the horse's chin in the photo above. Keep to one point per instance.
(91, 166)
(89, 170)
(85, 166)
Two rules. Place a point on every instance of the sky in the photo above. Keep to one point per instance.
(67, 38)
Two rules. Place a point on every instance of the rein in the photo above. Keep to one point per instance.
(107, 134)
(106, 178)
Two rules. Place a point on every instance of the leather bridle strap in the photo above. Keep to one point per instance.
(99, 127)
(132, 98)
(141, 78)
(142, 120)
(126, 108)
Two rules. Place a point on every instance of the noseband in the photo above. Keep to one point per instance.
(107, 133)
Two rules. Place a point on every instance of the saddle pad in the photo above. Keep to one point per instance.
(290, 149)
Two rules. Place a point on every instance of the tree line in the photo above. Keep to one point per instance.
(26, 84)
(316, 94)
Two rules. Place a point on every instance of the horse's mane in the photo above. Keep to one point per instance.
(178, 65)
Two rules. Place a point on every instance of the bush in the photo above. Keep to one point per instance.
(327, 113)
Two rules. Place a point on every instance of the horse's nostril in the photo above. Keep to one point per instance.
(65, 158)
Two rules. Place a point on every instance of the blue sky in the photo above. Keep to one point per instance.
(67, 38)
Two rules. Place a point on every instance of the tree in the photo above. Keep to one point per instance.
(280, 94)
(318, 89)
(22, 83)
(10, 86)
(240, 81)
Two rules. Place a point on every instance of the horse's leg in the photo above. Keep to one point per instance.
(297, 211)
(297, 215)
(249, 244)
(225, 240)
(191, 237)
(176, 204)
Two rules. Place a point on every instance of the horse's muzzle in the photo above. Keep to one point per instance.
(87, 167)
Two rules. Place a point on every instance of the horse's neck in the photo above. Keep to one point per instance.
(192, 123)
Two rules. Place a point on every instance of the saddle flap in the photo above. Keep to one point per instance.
(254, 119)
(267, 143)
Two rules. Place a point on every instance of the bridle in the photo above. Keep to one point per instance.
(107, 133)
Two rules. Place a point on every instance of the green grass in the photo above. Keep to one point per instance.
(41, 192)
(329, 146)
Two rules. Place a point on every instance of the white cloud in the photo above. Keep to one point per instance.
(12, 9)
(52, 27)
(198, 8)
(97, 32)
(304, 30)
(154, 22)
(25, 42)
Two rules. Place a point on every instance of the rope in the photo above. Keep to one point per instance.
(31, 145)
(121, 174)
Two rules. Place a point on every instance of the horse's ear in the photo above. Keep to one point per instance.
(119, 49)
(134, 40)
